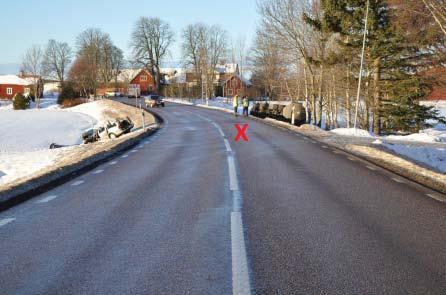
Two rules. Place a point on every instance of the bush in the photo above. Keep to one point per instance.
(67, 93)
(68, 103)
(20, 102)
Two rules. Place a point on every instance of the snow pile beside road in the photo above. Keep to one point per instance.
(431, 156)
(16, 165)
(430, 135)
(352, 132)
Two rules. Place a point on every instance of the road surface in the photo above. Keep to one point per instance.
(190, 211)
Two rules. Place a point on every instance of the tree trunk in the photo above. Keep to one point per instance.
(376, 95)
(321, 82)
(313, 93)
(307, 102)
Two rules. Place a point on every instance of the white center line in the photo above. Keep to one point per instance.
(437, 197)
(240, 274)
(6, 221)
(76, 183)
(47, 199)
(99, 171)
(228, 147)
(233, 181)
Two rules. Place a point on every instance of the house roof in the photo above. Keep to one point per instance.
(243, 79)
(15, 80)
(127, 75)
(228, 68)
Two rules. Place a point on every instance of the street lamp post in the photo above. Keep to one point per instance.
(362, 65)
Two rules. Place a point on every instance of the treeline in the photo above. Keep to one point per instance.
(311, 51)
(96, 61)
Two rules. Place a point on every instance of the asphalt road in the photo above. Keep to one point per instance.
(172, 217)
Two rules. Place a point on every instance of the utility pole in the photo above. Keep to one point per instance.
(362, 64)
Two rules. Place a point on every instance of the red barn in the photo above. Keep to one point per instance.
(236, 84)
(12, 84)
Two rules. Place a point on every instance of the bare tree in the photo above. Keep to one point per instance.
(151, 39)
(33, 64)
(203, 47)
(56, 59)
(100, 56)
(437, 9)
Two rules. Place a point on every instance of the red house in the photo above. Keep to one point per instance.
(12, 84)
(140, 77)
(236, 84)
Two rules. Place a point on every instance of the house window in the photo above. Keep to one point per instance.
(9, 91)
(143, 78)
(230, 91)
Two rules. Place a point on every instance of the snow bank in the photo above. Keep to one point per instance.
(18, 164)
(431, 156)
(431, 135)
(32, 130)
(352, 132)
(26, 135)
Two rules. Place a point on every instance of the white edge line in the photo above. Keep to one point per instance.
(76, 183)
(47, 199)
(6, 221)
(437, 198)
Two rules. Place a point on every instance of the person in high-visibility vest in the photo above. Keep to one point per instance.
(245, 106)
(235, 105)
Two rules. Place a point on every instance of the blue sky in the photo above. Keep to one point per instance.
(28, 22)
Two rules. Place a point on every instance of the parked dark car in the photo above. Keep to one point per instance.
(153, 101)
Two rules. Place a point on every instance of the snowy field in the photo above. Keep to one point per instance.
(25, 136)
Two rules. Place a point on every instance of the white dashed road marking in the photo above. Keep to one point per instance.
(352, 159)
(76, 183)
(99, 171)
(134, 151)
(6, 221)
(240, 270)
(125, 156)
(240, 274)
(47, 199)
(371, 168)
(325, 147)
(399, 180)
(233, 181)
(114, 163)
(437, 197)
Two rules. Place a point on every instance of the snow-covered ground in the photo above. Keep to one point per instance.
(32, 130)
(432, 156)
(25, 136)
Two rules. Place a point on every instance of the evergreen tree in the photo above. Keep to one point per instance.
(393, 69)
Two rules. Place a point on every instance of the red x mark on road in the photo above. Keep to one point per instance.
(241, 132)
